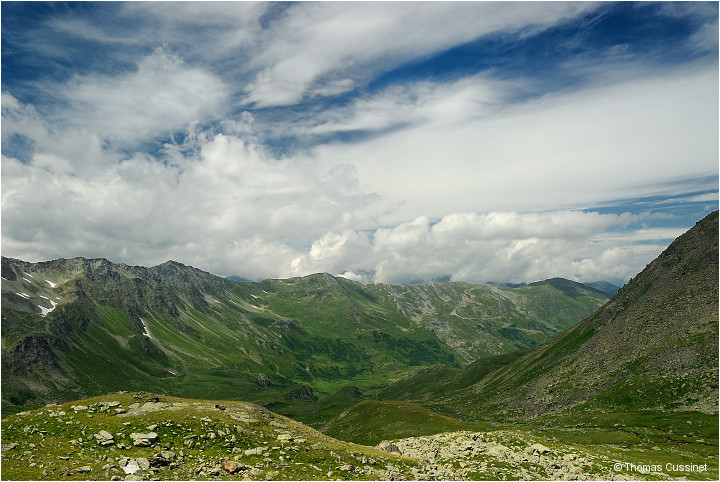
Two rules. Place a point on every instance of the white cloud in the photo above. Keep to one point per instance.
(303, 51)
(433, 190)
(496, 246)
(574, 149)
(162, 95)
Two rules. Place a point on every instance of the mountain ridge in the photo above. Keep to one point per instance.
(183, 329)
(652, 346)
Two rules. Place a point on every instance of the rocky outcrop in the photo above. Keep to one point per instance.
(500, 455)
(303, 393)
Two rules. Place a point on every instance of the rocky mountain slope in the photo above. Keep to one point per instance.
(653, 346)
(72, 328)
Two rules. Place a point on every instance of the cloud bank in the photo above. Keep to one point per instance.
(273, 140)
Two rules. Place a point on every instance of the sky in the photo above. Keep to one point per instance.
(396, 142)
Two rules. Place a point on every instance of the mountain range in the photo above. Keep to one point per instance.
(654, 345)
(629, 392)
(80, 327)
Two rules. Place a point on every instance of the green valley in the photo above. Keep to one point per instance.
(448, 381)
(81, 327)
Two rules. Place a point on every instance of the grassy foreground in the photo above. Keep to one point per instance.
(206, 440)
(136, 436)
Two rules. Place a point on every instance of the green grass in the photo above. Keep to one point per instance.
(371, 421)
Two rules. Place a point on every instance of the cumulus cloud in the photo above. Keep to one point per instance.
(216, 199)
(163, 94)
(170, 151)
(494, 246)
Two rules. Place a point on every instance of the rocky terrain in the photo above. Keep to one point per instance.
(140, 436)
(502, 455)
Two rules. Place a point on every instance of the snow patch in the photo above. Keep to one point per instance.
(52, 285)
(24, 295)
(28, 280)
(256, 297)
(28, 274)
(44, 310)
(145, 329)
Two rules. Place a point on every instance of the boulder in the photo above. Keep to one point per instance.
(104, 438)
(389, 447)
(232, 466)
(130, 467)
(164, 457)
(143, 439)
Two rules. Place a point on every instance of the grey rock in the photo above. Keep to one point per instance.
(104, 438)
(389, 447)
(164, 457)
(143, 439)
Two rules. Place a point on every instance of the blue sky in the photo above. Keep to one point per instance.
(485, 141)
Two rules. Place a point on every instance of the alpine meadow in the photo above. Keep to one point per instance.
(360, 241)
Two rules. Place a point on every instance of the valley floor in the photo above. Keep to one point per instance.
(136, 436)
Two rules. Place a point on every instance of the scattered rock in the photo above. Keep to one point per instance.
(130, 466)
(538, 449)
(389, 447)
(104, 438)
(255, 472)
(143, 439)
(232, 466)
(10, 446)
(263, 380)
(164, 457)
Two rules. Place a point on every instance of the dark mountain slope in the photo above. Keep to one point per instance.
(654, 346)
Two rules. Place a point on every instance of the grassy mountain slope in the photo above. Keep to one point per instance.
(654, 346)
(372, 421)
(78, 327)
